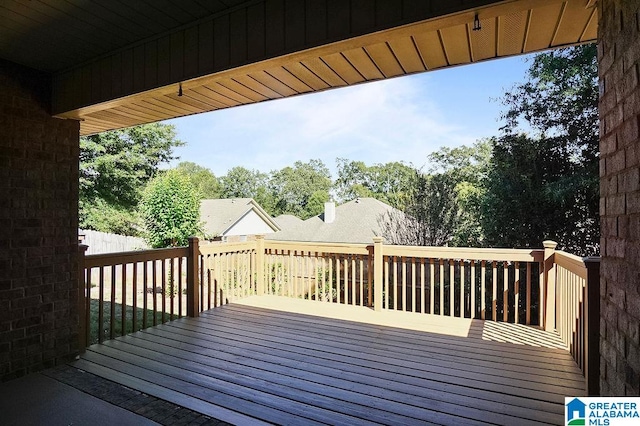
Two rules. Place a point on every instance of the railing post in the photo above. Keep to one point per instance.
(550, 285)
(260, 265)
(193, 286)
(377, 273)
(592, 327)
(83, 328)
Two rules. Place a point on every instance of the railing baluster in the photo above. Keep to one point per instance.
(494, 289)
(331, 283)
(172, 287)
(472, 285)
(505, 292)
(112, 301)
(123, 309)
(516, 289)
(101, 307)
(361, 260)
(452, 286)
(163, 270)
(422, 285)
(387, 283)
(432, 286)
(441, 306)
(413, 284)
(155, 291)
(87, 312)
(353, 281)
(145, 279)
(462, 291)
(483, 292)
(528, 294)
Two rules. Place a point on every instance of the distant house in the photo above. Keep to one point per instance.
(287, 221)
(235, 219)
(354, 222)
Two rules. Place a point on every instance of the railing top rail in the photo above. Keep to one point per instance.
(491, 254)
(571, 262)
(109, 259)
(337, 248)
(226, 247)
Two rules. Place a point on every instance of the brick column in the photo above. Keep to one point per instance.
(619, 68)
(38, 226)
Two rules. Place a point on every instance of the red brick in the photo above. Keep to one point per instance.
(616, 162)
(38, 151)
(615, 205)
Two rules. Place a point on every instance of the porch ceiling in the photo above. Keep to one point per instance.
(94, 93)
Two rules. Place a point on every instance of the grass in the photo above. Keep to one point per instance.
(94, 319)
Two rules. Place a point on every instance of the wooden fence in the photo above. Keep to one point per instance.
(541, 287)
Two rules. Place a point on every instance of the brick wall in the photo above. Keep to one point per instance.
(619, 67)
(38, 226)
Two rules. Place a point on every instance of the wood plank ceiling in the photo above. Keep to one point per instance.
(65, 33)
(506, 29)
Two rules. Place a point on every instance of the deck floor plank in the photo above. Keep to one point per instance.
(408, 345)
(287, 361)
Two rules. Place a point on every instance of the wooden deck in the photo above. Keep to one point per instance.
(287, 361)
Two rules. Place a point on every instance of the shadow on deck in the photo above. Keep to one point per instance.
(284, 361)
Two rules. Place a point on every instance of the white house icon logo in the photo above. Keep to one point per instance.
(576, 412)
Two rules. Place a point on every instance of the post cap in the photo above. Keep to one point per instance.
(378, 239)
(548, 244)
(259, 236)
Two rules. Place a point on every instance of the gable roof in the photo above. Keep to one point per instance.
(220, 215)
(287, 221)
(355, 222)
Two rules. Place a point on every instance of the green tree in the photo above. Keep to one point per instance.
(545, 186)
(240, 182)
(114, 168)
(390, 183)
(205, 182)
(170, 207)
(466, 167)
(431, 213)
(301, 190)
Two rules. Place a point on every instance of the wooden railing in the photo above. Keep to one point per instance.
(573, 308)
(497, 284)
(125, 292)
(547, 288)
(332, 273)
(227, 272)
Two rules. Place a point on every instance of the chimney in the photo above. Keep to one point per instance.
(329, 212)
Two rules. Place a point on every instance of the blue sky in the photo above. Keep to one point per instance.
(401, 119)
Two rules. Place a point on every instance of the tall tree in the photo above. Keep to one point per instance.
(114, 168)
(545, 185)
(205, 182)
(240, 182)
(390, 183)
(301, 190)
(466, 168)
(170, 207)
(430, 216)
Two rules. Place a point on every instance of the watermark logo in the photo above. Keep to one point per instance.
(597, 411)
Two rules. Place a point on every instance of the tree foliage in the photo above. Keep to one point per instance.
(466, 168)
(170, 207)
(301, 190)
(390, 183)
(545, 186)
(430, 216)
(204, 181)
(114, 168)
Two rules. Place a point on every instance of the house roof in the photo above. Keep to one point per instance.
(287, 221)
(355, 222)
(219, 215)
(116, 64)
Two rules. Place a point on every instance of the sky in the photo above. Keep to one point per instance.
(400, 119)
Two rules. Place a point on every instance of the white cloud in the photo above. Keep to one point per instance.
(391, 120)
